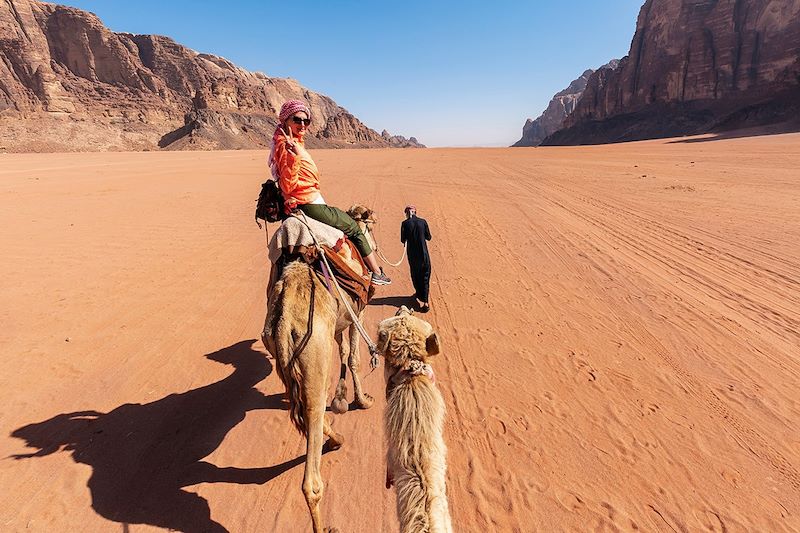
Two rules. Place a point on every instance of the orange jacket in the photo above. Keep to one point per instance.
(298, 174)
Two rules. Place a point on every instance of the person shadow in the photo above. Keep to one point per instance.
(143, 455)
(395, 301)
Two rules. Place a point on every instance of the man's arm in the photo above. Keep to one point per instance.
(403, 236)
(427, 232)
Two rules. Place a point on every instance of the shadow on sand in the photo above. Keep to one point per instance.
(738, 134)
(143, 455)
(395, 301)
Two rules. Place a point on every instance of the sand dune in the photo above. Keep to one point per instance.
(620, 329)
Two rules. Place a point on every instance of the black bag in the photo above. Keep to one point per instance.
(269, 206)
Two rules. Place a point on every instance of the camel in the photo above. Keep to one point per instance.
(297, 303)
(365, 218)
(417, 456)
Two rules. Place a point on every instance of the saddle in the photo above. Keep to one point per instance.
(295, 240)
(350, 271)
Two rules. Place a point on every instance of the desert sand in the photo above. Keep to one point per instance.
(620, 329)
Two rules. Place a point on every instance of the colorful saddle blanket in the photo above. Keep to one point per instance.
(294, 240)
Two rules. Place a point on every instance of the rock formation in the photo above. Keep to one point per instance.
(398, 141)
(562, 104)
(695, 66)
(68, 83)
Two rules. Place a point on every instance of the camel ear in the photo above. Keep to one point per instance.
(432, 344)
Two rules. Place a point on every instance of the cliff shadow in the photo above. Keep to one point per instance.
(175, 135)
(143, 455)
(742, 133)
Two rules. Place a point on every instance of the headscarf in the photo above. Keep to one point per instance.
(290, 107)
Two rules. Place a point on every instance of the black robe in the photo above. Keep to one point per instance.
(414, 232)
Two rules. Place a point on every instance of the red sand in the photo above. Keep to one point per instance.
(620, 329)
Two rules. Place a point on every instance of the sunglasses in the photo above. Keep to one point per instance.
(298, 120)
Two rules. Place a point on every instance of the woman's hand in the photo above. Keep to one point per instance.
(299, 150)
(296, 148)
(293, 146)
(290, 144)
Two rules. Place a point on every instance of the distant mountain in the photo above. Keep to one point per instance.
(562, 104)
(68, 83)
(696, 66)
(398, 141)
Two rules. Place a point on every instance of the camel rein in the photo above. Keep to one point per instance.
(373, 349)
(378, 248)
(310, 329)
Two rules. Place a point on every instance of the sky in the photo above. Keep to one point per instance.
(450, 73)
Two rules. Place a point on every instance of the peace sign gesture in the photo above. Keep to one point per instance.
(291, 144)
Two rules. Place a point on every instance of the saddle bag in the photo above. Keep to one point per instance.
(269, 206)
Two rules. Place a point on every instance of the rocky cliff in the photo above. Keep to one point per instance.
(695, 66)
(68, 83)
(561, 105)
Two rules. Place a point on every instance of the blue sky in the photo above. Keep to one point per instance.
(460, 73)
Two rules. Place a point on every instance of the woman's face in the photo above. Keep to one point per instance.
(298, 123)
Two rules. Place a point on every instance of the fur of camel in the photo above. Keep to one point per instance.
(306, 374)
(416, 456)
(365, 218)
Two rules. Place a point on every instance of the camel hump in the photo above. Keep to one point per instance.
(298, 238)
(294, 233)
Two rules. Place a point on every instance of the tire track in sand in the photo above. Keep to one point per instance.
(746, 437)
(469, 429)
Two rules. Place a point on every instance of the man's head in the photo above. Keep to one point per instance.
(410, 210)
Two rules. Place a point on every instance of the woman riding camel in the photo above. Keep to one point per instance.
(298, 177)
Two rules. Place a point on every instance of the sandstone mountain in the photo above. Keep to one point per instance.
(68, 83)
(562, 104)
(398, 141)
(696, 66)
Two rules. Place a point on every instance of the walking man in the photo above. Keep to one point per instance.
(414, 233)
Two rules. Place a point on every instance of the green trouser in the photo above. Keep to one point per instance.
(337, 218)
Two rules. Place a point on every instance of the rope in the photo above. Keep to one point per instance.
(380, 253)
(310, 326)
(383, 257)
(373, 349)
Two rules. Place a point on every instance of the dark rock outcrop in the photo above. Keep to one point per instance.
(562, 105)
(69, 83)
(398, 141)
(695, 66)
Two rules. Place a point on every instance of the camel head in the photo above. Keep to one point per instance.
(365, 218)
(404, 337)
(361, 213)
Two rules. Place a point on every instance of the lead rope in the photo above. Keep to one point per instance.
(383, 257)
(373, 349)
(378, 248)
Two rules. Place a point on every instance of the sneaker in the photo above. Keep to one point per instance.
(380, 279)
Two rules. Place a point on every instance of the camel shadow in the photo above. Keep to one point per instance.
(143, 455)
